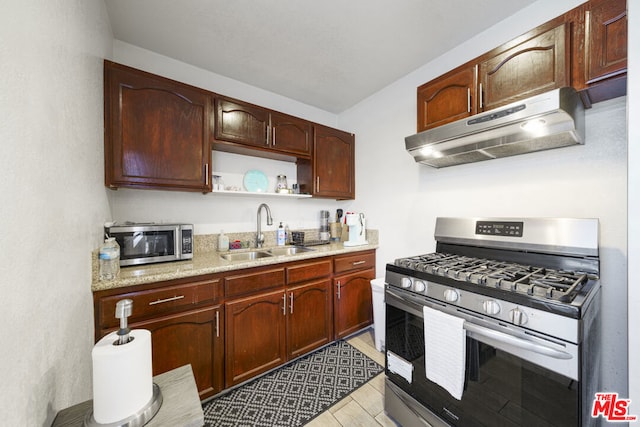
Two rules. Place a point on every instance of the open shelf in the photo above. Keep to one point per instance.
(259, 194)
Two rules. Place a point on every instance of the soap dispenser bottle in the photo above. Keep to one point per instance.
(280, 235)
(223, 242)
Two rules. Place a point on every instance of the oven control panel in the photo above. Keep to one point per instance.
(500, 228)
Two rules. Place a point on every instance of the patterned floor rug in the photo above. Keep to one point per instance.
(296, 393)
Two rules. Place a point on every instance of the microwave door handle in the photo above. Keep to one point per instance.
(475, 330)
(177, 243)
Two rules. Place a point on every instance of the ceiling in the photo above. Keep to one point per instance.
(330, 54)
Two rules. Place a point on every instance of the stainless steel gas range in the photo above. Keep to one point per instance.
(526, 294)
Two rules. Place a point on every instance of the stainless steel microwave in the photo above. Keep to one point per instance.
(150, 243)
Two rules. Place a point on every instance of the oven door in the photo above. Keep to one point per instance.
(507, 377)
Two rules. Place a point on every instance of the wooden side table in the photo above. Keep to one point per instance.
(180, 403)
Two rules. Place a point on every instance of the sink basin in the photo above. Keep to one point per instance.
(245, 256)
(289, 250)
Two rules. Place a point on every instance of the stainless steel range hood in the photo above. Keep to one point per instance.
(551, 120)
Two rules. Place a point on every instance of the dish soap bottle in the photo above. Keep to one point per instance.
(223, 242)
(280, 236)
(109, 257)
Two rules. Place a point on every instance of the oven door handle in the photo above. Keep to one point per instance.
(475, 331)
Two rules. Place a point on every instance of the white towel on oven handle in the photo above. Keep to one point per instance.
(445, 350)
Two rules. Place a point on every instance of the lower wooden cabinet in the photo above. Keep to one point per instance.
(186, 320)
(195, 338)
(234, 327)
(309, 317)
(255, 335)
(352, 302)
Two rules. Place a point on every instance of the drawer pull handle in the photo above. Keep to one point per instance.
(358, 263)
(161, 301)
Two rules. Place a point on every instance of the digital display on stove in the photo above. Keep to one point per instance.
(500, 228)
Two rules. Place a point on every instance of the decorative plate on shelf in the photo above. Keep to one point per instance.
(255, 181)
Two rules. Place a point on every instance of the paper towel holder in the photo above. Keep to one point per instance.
(138, 419)
(141, 417)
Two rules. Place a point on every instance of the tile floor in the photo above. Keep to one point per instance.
(364, 407)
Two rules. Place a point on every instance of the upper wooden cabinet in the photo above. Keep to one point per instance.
(604, 58)
(585, 48)
(448, 98)
(272, 133)
(537, 63)
(534, 63)
(156, 132)
(331, 173)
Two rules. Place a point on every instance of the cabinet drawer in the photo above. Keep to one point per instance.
(357, 261)
(308, 271)
(154, 302)
(242, 284)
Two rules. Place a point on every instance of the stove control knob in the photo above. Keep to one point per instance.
(451, 295)
(491, 307)
(419, 286)
(405, 282)
(517, 316)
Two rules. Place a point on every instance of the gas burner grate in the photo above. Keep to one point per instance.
(512, 277)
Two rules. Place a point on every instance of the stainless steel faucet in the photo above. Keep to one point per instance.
(259, 235)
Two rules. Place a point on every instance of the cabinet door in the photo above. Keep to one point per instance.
(156, 132)
(309, 318)
(448, 98)
(195, 338)
(606, 38)
(334, 163)
(241, 123)
(541, 62)
(256, 340)
(352, 304)
(290, 134)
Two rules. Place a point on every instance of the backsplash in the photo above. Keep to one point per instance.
(209, 242)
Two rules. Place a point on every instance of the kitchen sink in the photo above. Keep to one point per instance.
(246, 256)
(289, 250)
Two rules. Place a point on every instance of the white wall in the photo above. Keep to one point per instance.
(579, 181)
(633, 98)
(53, 201)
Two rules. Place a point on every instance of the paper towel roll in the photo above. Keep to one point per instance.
(122, 376)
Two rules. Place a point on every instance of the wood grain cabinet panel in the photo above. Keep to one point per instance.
(186, 320)
(290, 135)
(256, 339)
(331, 172)
(601, 59)
(352, 298)
(160, 301)
(448, 98)
(241, 123)
(156, 132)
(352, 302)
(538, 64)
(195, 338)
(309, 317)
(268, 133)
(606, 35)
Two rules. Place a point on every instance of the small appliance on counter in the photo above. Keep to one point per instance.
(145, 243)
(123, 390)
(357, 229)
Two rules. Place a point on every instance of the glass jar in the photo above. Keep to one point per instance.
(281, 183)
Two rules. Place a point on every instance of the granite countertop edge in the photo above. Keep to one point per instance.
(210, 262)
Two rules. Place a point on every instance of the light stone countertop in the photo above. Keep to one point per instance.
(209, 261)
